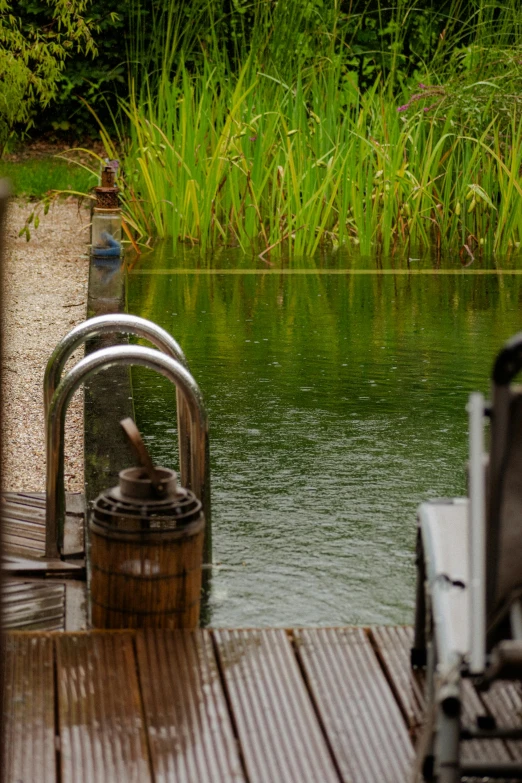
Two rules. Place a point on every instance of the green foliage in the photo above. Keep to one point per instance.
(484, 83)
(277, 127)
(288, 154)
(396, 41)
(32, 57)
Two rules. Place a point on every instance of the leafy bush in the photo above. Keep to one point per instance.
(394, 40)
(33, 50)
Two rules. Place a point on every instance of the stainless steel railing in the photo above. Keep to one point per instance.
(119, 323)
(197, 474)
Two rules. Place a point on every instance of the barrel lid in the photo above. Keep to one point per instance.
(136, 484)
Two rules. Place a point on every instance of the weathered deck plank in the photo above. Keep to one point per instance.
(23, 523)
(393, 647)
(189, 728)
(362, 720)
(33, 605)
(504, 702)
(216, 706)
(275, 719)
(28, 709)
(102, 731)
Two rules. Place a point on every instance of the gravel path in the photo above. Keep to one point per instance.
(45, 296)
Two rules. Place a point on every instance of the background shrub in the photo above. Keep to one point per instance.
(398, 40)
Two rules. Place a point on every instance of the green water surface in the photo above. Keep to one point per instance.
(337, 403)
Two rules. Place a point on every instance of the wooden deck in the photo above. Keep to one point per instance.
(313, 705)
(317, 705)
(38, 594)
(23, 523)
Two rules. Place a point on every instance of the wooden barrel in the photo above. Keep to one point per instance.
(146, 572)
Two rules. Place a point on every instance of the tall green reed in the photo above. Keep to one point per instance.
(273, 149)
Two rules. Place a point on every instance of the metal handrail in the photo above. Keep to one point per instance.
(115, 323)
(477, 535)
(198, 475)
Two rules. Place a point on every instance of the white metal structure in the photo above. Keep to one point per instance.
(468, 619)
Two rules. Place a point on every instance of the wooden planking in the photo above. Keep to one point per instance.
(43, 605)
(102, 735)
(189, 728)
(328, 714)
(22, 537)
(355, 704)
(33, 605)
(504, 702)
(23, 523)
(393, 647)
(28, 709)
(275, 720)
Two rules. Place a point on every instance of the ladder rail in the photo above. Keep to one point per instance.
(121, 323)
(197, 477)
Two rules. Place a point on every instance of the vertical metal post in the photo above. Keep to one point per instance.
(418, 651)
(515, 616)
(477, 534)
(447, 741)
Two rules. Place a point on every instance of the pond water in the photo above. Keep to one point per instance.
(336, 393)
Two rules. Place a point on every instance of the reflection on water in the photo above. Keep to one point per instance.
(336, 405)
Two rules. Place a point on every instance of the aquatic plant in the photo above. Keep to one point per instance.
(248, 149)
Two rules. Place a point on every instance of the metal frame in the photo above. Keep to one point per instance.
(454, 608)
(443, 641)
(477, 535)
(126, 324)
(197, 469)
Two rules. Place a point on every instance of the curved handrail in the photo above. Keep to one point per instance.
(128, 324)
(105, 324)
(198, 477)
